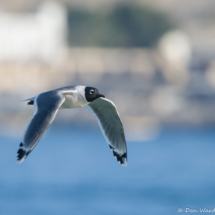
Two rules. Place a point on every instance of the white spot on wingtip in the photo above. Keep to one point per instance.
(20, 161)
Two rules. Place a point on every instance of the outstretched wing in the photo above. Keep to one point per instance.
(46, 106)
(111, 126)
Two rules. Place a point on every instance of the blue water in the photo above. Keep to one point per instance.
(72, 171)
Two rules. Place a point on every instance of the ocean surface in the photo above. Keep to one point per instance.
(73, 171)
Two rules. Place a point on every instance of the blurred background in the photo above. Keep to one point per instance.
(155, 60)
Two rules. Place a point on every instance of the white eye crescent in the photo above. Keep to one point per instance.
(91, 91)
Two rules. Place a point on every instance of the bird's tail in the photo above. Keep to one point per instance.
(30, 101)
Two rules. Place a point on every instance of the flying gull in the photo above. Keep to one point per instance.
(47, 104)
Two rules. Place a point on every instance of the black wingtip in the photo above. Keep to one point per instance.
(122, 159)
(21, 154)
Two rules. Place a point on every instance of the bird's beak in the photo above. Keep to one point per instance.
(100, 95)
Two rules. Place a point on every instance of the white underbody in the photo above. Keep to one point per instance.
(74, 99)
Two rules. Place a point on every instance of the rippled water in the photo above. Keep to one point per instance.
(72, 171)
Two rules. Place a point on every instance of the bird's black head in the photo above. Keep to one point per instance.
(92, 93)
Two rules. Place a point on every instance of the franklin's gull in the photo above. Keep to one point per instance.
(47, 104)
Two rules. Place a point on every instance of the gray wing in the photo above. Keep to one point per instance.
(46, 106)
(111, 126)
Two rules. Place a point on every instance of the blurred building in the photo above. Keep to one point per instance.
(33, 36)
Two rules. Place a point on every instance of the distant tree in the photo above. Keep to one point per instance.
(123, 26)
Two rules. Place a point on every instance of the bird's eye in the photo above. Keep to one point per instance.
(91, 91)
